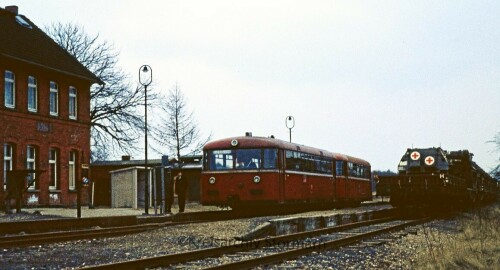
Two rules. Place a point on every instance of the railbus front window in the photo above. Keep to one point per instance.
(242, 159)
(248, 158)
(221, 160)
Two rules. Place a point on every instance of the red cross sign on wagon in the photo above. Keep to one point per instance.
(415, 155)
(429, 160)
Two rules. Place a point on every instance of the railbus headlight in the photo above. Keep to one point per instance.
(211, 180)
(256, 179)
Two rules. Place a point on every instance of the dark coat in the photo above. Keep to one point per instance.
(180, 185)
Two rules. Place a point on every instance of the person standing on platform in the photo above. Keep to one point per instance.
(180, 187)
(169, 200)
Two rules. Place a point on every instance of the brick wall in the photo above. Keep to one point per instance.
(20, 128)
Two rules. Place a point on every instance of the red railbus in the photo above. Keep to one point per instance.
(258, 171)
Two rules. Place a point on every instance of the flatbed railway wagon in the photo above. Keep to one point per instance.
(435, 177)
(258, 172)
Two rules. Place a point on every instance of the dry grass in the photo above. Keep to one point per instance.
(476, 245)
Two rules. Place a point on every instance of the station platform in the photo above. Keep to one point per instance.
(30, 213)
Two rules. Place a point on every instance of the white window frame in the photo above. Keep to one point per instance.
(54, 99)
(7, 162)
(31, 162)
(10, 81)
(32, 87)
(53, 168)
(72, 170)
(72, 106)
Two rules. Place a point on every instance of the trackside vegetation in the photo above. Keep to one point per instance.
(475, 243)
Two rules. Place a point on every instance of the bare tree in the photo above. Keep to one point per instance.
(177, 130)
(116, 122)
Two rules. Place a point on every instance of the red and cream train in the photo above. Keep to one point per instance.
(264, 172)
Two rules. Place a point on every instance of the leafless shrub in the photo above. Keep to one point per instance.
(474, 246)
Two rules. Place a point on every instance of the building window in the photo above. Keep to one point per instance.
(72, 102)
(32, 94)
(30, 165)
(71, 170)
(53, 168)
(10, 89)
(7, 162)
(54, 92)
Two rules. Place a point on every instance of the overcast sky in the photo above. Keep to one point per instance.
(364, 78)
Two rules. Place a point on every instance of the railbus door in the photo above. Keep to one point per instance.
(341, 180)
(334, 195)
(346, 182)
(281, 175)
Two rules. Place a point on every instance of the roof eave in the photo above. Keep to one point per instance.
(93, 79)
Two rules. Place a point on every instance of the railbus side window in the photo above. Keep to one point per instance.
(303, 162)
(356, 170)
(350, 169)
(270, 158)
(292, 159)
(326, 166)
(307, 162)
(367, 172)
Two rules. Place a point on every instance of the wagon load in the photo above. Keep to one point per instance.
(433, 176)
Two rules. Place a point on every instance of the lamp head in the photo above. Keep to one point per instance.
(145, 75)
(290, 122)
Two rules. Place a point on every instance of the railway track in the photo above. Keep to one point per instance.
(269, 250)
(72, 229)
(23, 239)
(36, 238)
(53, 237)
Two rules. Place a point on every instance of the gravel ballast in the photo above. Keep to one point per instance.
(396, 254)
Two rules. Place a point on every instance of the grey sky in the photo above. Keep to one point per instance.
(365, 78)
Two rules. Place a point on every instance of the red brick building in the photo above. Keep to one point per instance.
(44, 112)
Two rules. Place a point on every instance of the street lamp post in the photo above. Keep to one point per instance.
(145, 79)
(290, 123)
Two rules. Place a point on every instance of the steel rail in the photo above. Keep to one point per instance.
(170, 259)
(61, 236)
(148, 223)
(31, 239)
(53, 237)
(67, 234)
(281, 256)
(65, 224)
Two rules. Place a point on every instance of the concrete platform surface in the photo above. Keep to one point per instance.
(41, 213)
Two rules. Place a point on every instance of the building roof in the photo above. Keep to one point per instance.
(138, 162)
(23, 41)
(186, 160)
